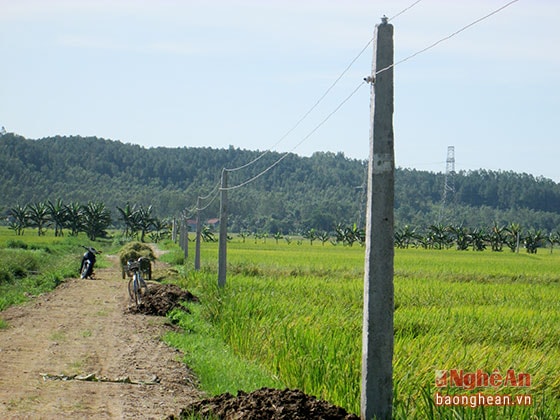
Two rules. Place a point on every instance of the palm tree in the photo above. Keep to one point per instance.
(161, 229)
(553, 238)
(18, 219)
(462, 237)
(497, 237)
(207, 234)
(437, 236)
(354, 234)
(145, 221)
(513, 236)
(74, 218)
(323, 237)
(38, 215)
(58, 215)
(405, 236)
(311, 235)
(96, 220)
(479, 239)
(533, 241)
(277, 236)
(131, 218)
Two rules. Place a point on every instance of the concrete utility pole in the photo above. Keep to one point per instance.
(377, 338)
(198, 234)
(174, 230)
(222, 252)
(185, 236)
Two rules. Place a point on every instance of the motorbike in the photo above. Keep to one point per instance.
(88, 261)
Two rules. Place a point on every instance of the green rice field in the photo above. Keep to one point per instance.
(290, 316)
(295, 311)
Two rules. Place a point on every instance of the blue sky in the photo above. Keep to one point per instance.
(243, 72)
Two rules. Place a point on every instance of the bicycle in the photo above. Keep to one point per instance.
(137, 287)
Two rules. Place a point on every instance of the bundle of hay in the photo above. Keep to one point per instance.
(133, 251)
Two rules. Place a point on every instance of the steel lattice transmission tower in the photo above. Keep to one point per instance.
(449, 186)
(449, 183)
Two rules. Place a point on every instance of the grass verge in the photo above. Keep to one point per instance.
(31, 265)
(218, 368)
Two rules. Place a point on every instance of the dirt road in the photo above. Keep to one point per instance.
(83, 328)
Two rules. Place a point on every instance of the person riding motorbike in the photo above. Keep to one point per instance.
(88, 261)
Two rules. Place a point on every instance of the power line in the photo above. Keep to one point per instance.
(298, 144)
(211, 192)
(429, 47)
(291, 130)
(210, 202)
(405, 9)
(376, 73)
(308, 112)
(348, 97)
(214, 191)
(320, 99)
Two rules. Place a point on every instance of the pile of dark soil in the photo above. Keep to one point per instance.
(161, 298)
(265, 404)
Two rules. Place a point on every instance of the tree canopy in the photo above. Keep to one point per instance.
(297, 194)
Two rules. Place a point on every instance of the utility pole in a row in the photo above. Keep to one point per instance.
(222, 244)
(377, 336)
(198, 234)
(184, 235)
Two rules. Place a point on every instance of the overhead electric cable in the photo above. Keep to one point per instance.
(297, 145)
(405, 9)
(347, 98)
(214, 191)
(210, 202)
(312, 108)
(211, 192)
(447, 37)
(308, 112)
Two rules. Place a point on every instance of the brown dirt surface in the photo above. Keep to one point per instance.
(81, 352)
(85, 351)
(266, 404)
(162, 298)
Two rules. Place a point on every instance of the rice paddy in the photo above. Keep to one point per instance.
(296, 312)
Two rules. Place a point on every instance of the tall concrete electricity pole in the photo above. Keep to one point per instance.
(198, 235)
(222, 244)
(377, 337)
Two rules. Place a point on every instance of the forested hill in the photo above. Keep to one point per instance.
(297, 193)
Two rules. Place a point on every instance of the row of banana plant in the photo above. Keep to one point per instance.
(437, 236)
(93, 219)
(497, 238)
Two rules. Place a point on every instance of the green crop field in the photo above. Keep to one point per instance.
(290, 316)
(32, 264)
(296, 312)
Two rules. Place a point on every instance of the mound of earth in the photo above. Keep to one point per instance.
(265, 404)
(162, 298)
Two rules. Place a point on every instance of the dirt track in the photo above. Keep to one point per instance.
(83, 328)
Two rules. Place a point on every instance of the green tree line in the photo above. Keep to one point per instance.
(298, 194)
